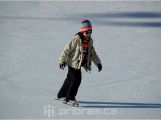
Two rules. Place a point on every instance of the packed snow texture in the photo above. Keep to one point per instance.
(127, 38)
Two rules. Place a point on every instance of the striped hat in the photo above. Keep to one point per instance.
(86, 25)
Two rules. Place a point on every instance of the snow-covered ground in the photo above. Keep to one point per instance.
(126, 36)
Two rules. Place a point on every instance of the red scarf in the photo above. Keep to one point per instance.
(85, 50)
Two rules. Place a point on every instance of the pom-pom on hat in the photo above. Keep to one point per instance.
(85, 26)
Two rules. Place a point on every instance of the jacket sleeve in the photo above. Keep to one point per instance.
(67, 50)
(94, 57)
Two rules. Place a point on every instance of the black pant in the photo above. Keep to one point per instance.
(71, 84)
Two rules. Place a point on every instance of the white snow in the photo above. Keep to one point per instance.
(126, 37)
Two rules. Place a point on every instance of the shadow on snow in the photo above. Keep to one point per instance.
(120, 19)
(90, 104)
(110, 19)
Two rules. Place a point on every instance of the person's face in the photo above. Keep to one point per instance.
(87, 34)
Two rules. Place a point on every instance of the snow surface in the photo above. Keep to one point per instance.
(127, 37)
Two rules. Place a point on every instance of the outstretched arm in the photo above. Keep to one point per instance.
(96, 60)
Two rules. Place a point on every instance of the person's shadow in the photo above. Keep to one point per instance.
(92, 104)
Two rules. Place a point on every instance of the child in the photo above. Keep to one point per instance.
(79, 52)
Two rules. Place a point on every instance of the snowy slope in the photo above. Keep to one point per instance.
(126, 36)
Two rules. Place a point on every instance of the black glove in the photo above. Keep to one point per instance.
(62, 65)
(99, 67)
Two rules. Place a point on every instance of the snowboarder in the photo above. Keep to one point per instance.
(79, 52)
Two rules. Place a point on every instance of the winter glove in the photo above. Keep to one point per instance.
(62, 65)
(99, 67)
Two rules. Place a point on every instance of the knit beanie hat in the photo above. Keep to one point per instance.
(85, 26)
